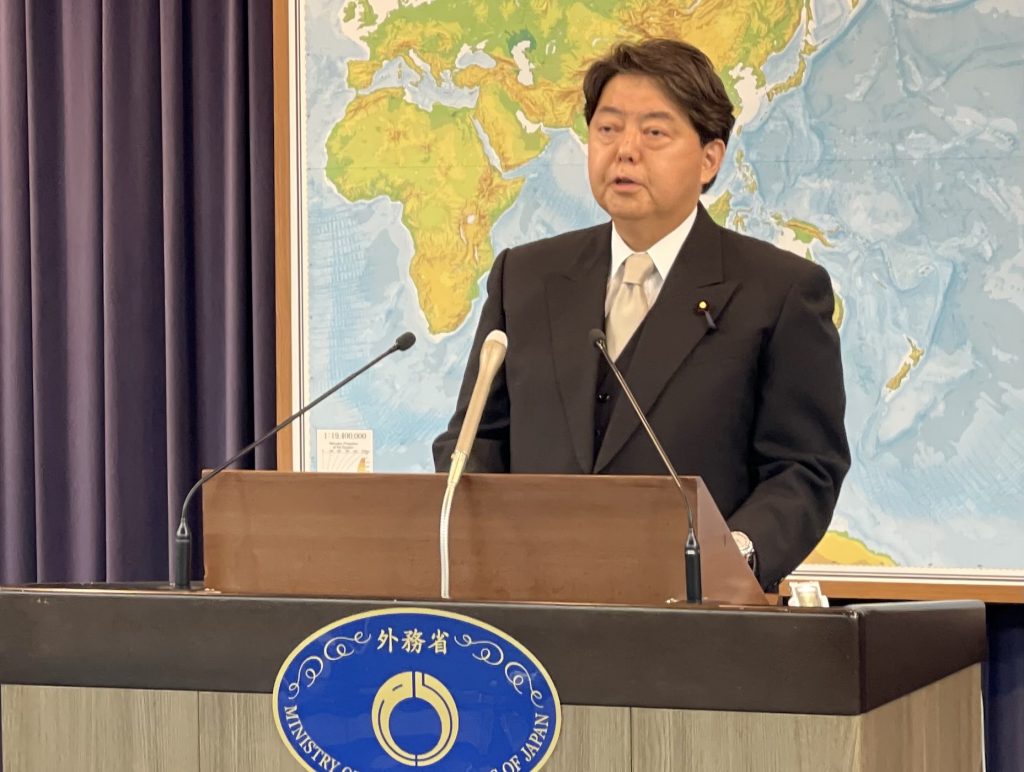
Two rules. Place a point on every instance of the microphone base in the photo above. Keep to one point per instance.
(182, 561)
(694, 590)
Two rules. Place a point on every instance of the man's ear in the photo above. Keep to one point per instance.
(711, 161)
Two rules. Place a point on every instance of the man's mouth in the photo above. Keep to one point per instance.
(624, 181)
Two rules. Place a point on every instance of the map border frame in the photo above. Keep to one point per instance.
(896, 582)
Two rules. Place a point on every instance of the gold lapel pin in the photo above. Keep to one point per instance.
(703, 308)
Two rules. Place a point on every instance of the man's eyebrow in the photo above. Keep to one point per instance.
(662, 115)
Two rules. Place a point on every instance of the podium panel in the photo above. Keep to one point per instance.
(52, 727)
(104, 679)
(527, 538)
(934, 729)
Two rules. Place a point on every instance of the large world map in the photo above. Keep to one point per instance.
(881, 139)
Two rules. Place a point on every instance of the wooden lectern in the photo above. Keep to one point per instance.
(539, 538)
(585, 572)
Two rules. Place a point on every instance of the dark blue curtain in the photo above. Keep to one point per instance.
(136, 272)
(1004, 689)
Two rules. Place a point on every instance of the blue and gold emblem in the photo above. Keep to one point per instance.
(415, 688)
(412, 685)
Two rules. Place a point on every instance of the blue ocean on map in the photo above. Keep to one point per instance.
(901, 144)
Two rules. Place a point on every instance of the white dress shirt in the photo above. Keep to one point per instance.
(663, 254)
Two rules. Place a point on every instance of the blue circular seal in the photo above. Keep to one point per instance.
(402, 688)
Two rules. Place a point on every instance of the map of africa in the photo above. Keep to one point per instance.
(881, 139)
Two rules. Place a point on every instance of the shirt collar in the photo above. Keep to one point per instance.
(663, 253)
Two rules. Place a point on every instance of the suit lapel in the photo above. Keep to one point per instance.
(575, 307)
(672, 328)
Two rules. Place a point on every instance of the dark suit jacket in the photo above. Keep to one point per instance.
(755, 408)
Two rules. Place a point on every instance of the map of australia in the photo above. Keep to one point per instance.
(879, 138)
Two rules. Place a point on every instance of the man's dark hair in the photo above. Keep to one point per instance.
(683, 71)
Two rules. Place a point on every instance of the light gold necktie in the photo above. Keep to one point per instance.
(629, 306)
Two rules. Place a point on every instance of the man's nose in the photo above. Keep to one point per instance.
(629, 146)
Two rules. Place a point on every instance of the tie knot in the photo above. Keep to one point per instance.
(638, 267)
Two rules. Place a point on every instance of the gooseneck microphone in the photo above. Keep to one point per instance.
(183, 536)
(492, 355)
(694, 591)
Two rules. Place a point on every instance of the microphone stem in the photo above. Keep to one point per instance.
(694, 590)
(183, 536)
(446, 513)
(654, 438)
(492, 354)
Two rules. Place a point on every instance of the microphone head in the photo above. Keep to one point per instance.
(497, 336)
(404, 341)
(597, 338)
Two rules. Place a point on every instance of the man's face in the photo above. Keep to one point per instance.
(645, 159)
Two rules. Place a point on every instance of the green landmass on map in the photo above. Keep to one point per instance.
(910, 360)
(803, 231)
(432, 163)
(720, 208)
(435, 163)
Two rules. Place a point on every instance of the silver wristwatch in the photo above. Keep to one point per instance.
(746, 548)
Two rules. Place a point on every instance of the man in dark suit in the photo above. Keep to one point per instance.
(727, 341)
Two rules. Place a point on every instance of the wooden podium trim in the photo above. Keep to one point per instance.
(282, 228)
(895, 589)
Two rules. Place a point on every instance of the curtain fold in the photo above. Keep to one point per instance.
(1004, 688)
(136, 273)
(17, 449)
